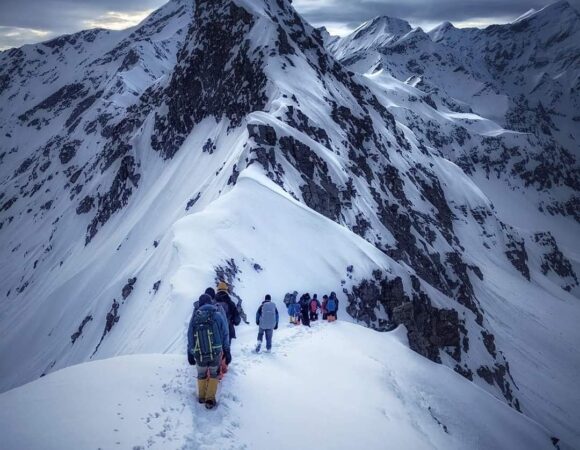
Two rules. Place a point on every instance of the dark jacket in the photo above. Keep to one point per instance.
(305, 309)
(232, 314)
(222, 325)
(259, 314)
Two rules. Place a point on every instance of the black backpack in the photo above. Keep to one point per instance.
(208, 338)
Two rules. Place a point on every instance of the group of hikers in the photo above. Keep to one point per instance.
(212, 328)
(306, 310)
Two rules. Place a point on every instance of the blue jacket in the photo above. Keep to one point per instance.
(222, 325)
(293, 309)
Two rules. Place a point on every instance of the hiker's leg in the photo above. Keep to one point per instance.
(269, 339)
(201, 382)
(261, 334)
(212, 382)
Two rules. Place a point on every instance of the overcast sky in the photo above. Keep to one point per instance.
(27, 21)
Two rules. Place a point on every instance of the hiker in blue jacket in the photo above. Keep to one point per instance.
(207, 340)
(332, 307)
(267, 319)
(294, 313)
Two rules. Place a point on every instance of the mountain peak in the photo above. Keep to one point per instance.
(383, 25)
(440, 30)
(554, 12)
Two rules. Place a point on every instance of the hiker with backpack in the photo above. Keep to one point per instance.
(294, 313)
(305, 309)
(267, 319)
(332, 307)
(207, 340)
(233, 316)
(323, 307)
(314, 307)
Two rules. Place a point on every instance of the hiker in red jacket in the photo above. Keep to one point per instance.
(314, 307)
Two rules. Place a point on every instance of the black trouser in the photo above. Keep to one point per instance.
(305, 318)
(313, 316)
(269, 334)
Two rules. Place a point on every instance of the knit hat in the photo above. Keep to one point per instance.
(209, 291)
(268, 297)
(222, 286)
(204, 299)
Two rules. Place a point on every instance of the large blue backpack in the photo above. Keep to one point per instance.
(268, 317)
(208, 338)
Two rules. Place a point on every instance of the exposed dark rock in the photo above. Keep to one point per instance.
(8, 204)
(297, 119)
(77, 334)
(323, 196)
(128, 288)
(76, 115)
(85, 205)
(518, 256)
(199, 87)
(156, 286)
(117, 197)
(131, 58)
(262, 134)
(429, 329)
(554, 260)
(489, 342)
(68, 151)
(208, 147)
(497, 375)
(111, 319)
(192, 201)
(58, 101)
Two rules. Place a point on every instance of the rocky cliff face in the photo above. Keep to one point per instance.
(373, 133)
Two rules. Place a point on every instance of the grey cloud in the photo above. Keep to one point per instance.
(66, 16)
(353, 13)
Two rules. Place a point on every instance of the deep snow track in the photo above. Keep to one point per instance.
(336, 386)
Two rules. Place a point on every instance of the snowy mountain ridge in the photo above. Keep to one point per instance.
(224, 140)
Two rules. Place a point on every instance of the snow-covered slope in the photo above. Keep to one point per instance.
(308, 393)
(224, 141)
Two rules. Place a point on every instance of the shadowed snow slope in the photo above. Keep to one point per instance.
(313, 381)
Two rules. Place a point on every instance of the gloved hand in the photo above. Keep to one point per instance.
(191, 359)
(276, 327)
(228, 356)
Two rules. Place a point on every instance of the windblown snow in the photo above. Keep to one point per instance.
(315, 391)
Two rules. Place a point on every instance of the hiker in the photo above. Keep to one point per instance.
(332, 307)
(323, 307)
(290, 298)
(294, 313)
(314, 307)
(233, 316)
(305, 309)
(207, 341)
(267, 319)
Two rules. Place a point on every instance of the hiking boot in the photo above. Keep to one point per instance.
(201, 390)
(258, 346)
(212, 385)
